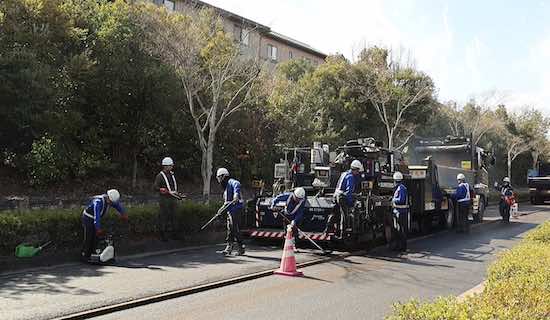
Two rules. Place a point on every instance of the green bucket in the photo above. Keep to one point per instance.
(26, 251)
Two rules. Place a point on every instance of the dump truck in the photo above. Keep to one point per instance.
(451, 156)
(429, 202)
(539, 183)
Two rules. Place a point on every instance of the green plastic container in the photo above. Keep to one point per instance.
(26, 251)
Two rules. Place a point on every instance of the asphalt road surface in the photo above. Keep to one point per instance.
(359, 287)
(356, 287)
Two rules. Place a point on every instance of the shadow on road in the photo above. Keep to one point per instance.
(471, 247)
(58, 279)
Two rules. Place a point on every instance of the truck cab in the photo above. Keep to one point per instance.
(538, 182)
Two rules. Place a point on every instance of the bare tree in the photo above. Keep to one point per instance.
(517, 133)
(215, 78)
(515, 145)
(474, 118)
(478, 118)
(454, 115)
(539, 147)
(394, 89)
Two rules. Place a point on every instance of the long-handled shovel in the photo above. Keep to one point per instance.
(323, 251)
(221, 210)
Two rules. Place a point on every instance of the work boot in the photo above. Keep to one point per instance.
(241, 250)
(228, 249)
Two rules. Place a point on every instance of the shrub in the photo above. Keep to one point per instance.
(517, 288)
(64, 228)
(540, 234)
(45, 162)
(448, 308)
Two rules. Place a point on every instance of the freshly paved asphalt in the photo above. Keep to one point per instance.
(356, 287)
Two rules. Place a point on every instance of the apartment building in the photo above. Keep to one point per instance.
(256, 40)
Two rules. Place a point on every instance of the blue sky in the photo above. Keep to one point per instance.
(496, 51)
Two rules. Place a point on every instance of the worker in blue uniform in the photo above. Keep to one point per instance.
(400, 213)
(91, 219)
(294, 204)
(343, 196)
(462, 196)
(233, 203)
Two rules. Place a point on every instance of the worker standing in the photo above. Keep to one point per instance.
(91, 219)
(165, 184)
(463, 198)
(400, 212)
(343, 195)
(295, 203)
(233, 205)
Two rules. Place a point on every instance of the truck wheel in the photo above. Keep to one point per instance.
(448, 216)
(388, 227)
(425, 224)
(478, 218)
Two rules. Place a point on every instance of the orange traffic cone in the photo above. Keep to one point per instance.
(288, 261)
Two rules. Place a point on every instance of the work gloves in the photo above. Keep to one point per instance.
(124, 217)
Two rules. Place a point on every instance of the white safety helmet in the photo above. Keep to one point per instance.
(300, 193)
(167, 161)
(356, 164)
(221, 173)
(113, 195)
(397, 176)
(506, 179)
(460, 176)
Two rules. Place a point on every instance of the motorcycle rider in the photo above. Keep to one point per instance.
(506, 198)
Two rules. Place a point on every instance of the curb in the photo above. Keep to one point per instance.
(475, 290)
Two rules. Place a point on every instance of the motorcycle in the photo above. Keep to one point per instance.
(507, 202)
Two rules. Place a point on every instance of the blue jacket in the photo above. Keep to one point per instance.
(233, 188)
(399, 199)
(97, 209)
(462, 194)
(294, 209)
(346, 186)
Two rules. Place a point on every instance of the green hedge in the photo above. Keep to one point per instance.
(517, 288)
(64, 226)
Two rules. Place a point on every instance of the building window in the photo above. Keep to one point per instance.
(170, 5)
(290, 55)
(245, 36)
(272, 52)
(241, 35)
